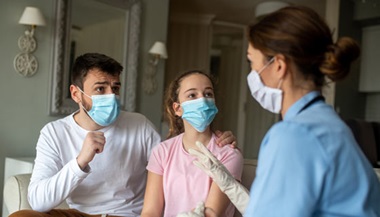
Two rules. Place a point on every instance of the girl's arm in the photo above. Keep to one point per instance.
(207, 162)
(217, 200)
(154, 196)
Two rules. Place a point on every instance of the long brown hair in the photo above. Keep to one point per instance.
(304, 38)
(176, 126)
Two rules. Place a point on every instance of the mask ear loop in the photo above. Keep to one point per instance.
(280, 83)
(281, 80)
(178, 107)
(266, 65)
(84, 92)
(81, 104)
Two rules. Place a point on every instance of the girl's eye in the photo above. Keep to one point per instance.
(191, 96)
(209, 94)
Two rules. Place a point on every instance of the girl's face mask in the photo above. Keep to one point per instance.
(199, 113)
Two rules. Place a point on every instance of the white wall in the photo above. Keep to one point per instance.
(24, 101)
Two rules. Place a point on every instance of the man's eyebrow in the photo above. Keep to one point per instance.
(106, 82)
(101, 82)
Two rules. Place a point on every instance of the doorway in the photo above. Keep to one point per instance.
(238, 111)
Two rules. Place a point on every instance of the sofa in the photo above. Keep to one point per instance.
(15, 193)
(16, 188)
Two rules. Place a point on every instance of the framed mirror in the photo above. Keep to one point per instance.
(110, 27)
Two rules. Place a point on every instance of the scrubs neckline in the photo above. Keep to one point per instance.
(298, 106)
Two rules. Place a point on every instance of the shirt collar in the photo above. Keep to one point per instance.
(298, 106)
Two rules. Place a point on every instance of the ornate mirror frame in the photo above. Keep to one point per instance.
(60, 103)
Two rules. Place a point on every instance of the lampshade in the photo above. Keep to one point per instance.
(159, 48)
(267, 7)
(32, 16)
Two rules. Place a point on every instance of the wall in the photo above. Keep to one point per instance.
(24, 106)
(155, 26)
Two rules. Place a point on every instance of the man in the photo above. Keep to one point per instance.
(95, 158)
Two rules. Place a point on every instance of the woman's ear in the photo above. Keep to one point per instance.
(281, 66)
(177, 109)
(75, 93)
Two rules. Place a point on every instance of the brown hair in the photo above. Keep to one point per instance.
(89, 61)
(304, 38)
(171, 95)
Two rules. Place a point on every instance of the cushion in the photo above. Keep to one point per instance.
(16, 193)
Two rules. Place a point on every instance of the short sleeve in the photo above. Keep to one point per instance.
(152, 138)
(155, 163)
(233, 161)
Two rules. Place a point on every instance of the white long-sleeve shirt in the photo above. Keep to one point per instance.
(115, 183)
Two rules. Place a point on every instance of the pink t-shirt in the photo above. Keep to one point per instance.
(185, 184)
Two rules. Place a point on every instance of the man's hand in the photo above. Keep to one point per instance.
(225, 138)
(93, 144)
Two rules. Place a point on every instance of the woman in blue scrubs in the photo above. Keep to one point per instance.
(309, 163)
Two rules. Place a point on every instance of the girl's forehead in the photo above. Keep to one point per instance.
(195, 76)
(195, 79)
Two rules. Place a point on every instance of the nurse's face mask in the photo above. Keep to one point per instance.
(269, 98)
(105, 108)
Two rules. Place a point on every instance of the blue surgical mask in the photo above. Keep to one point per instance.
(105, 108)
(199, 113)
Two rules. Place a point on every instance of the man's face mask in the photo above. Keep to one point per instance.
(105, 108)
(269, 98)
(199, 113)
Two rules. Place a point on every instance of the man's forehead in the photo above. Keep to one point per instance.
(96, 76)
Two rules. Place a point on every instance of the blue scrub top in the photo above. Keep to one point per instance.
(310, 165)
